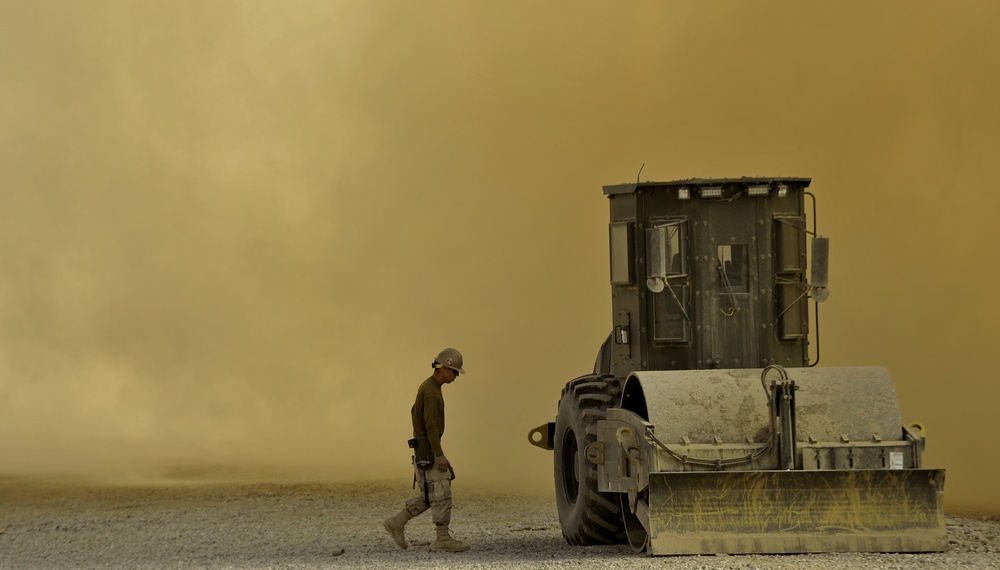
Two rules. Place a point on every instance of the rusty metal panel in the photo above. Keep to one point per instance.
(797, 511)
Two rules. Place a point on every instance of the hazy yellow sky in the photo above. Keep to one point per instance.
(237, 232)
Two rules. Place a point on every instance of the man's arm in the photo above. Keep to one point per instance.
(442, 463)
(433, 410)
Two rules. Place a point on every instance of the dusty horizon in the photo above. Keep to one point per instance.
(236, 233)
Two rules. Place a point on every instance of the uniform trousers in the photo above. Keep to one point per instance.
(439, 493)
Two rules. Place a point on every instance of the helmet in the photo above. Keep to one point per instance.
(451, 358)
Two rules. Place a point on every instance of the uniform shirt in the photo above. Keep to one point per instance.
(428, 413)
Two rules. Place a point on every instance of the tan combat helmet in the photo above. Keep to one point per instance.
(450, 358)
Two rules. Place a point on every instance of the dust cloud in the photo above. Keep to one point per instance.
(234, 234)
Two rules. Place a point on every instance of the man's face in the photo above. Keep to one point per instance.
(445, 375)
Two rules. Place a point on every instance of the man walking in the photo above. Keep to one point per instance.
(433, 472)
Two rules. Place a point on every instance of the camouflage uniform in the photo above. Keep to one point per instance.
(439, 493)
(427, 415)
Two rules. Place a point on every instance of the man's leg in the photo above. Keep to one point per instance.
(440, 495)
(415, 506)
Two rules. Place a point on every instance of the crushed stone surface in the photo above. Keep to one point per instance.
(51, 525)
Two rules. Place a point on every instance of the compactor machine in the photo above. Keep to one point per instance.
(705, 426)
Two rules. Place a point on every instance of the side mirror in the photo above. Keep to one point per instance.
(819, 283)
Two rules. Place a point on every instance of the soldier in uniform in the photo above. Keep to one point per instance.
(433, 472)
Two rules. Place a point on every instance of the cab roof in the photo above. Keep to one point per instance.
(630, 188)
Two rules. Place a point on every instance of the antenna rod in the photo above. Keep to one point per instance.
(638, 173)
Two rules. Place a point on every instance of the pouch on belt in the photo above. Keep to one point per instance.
(423, 453)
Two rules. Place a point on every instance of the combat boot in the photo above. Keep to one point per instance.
(394, 525)
(446, 542)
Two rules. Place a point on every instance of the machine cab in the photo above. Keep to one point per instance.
(709, 273)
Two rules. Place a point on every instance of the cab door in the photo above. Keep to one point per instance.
(727, 293)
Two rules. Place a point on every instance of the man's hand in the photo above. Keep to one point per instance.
(442, 463)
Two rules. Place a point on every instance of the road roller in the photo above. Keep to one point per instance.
(707, 425)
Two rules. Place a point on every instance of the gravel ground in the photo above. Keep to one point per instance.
(302, 525)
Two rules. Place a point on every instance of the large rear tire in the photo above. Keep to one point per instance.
(586, 515)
